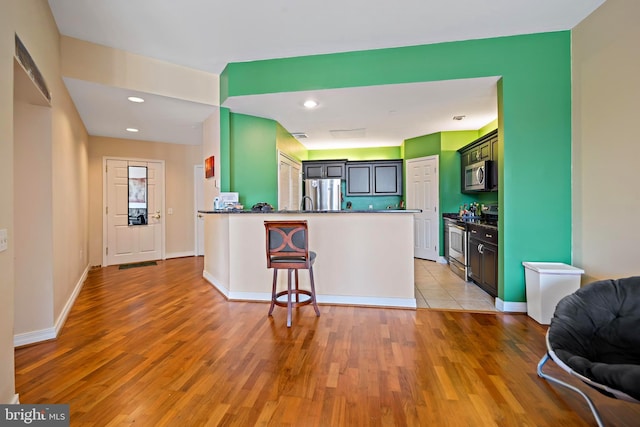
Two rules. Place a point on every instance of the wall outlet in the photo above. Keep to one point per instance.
(3, 240)
(170, 211)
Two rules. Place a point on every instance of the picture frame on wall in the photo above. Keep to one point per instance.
(208, 167)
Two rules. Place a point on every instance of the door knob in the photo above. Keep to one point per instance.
(157, 215)
(199, 215)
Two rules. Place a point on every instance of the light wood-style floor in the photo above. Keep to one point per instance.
(159, 346)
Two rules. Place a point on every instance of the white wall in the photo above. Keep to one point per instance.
(66, 179)
(606, 146)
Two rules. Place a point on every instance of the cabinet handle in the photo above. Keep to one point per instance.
(481, 248)
(488, 235)
(474, 231)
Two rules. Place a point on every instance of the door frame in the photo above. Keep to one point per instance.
(105, 230)
(435, 157)
(198, 173)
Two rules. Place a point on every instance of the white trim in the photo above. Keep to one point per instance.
(179, 254)
(198, 173)
(442, 260)
(367, 301)
(52, 333)
(214, 282)
(511, 307)
(322, 299)
(34, 337)
(15, 400)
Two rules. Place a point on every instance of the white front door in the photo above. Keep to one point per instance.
(422, 193)
(198, 179)
(133, 237)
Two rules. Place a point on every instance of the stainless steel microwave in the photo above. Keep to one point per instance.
(476, 176)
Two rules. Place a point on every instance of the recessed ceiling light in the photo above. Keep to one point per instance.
(132, 130)
(135, 99)
(310, 103)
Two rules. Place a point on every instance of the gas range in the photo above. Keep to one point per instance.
(486, 220)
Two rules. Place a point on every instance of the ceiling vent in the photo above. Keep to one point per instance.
(299, 135)
(349, 133)
(24, 58)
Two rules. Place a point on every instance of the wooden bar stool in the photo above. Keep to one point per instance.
(288, 248)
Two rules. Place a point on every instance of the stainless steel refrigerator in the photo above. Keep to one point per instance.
(322, 194)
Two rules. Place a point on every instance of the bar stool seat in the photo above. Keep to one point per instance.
(288, 249)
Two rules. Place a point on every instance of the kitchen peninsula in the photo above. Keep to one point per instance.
(364, 257)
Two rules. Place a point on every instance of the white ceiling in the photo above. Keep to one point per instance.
(208, 34)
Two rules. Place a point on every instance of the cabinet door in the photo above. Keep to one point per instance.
(475, 260)
(490, 268)
(387, 179)
(334, 170)
(358, 180)
(313, 171)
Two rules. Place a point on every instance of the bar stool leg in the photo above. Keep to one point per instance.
(273, 290)
(297, 288)
(313, 291)
(289, 308)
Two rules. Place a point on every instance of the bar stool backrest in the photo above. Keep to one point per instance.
(287, 244)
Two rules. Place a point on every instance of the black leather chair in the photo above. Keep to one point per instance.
(595, 336)
(288, 249)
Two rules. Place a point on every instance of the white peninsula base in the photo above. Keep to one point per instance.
(362, 258)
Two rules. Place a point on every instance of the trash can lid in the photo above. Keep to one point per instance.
(552, 268)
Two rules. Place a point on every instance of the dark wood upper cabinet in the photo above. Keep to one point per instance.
(374, 178)
(324, 169)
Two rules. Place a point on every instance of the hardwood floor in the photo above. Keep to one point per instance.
(158, 345)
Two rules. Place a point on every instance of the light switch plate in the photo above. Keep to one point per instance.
(3, 240)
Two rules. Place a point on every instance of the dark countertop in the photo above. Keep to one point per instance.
(346, 211)
(481, 222)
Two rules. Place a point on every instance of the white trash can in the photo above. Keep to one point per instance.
(546, 284)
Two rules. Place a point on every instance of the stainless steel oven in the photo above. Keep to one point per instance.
(458, 250)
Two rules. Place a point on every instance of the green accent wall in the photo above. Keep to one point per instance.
(446, 145)
(535, 106)
(286, 143)
(372, 153)
(225, 150)
(254, 160)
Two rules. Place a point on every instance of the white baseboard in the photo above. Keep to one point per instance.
(16, 400)
(322, 299)
(51, 333)
(442, 260)
(215, 283)
(367, 301)
(179, 254)
(511, 307)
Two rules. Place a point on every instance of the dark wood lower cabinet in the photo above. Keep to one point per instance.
(483, 260)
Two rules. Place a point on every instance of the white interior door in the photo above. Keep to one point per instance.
(132, 240)
(422, 193)
(198, 179)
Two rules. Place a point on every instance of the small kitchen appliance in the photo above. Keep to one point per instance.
(225, 201)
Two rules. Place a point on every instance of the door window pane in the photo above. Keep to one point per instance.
(138, 214)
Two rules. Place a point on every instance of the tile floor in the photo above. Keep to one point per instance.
(437, 287)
